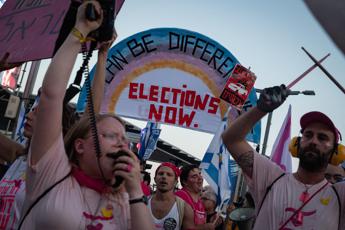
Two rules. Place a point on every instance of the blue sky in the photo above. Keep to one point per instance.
(265, 35)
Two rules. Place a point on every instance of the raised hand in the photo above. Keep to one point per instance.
(104, 46)
(84, 25)
(272, 97)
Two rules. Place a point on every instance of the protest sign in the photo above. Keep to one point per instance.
(238, 86)
(30, 28)
(167, 75)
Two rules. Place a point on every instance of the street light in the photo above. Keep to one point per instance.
(269, 118)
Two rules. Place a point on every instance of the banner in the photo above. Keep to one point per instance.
(30, 28)
(167, 75)
(280, 151)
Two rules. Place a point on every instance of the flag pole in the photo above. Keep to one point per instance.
(325, 71)
(307, 71)
(269, 118)
(35, 65)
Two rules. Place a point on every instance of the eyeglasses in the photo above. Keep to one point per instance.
(116, 138)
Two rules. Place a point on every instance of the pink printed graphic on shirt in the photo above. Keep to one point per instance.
(297, 220)
(8, 190)
(92, 217)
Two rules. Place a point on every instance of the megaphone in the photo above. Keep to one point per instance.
(243, 217)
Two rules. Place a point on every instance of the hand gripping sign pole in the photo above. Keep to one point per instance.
(306, 92)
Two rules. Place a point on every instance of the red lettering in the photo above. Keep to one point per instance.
(182, 99)
(133, 88)
(153, 96)
(175, 94)
(190, 97)
(170, 115)
(199, 103)
(231, 98)
(185, 118)
(154, 114)
(214, 104)
(5, 210)
(141, 91)
(163, 95)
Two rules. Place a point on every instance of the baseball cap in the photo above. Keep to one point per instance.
(315, 116)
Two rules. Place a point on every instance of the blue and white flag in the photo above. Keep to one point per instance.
(255, 133)
(19, 134)
(148, 140)
(218, 167)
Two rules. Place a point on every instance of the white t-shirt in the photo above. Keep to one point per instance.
(170, 222)
(12, 194)
(69, 205)
(322, 212)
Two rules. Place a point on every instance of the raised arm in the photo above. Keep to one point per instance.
(49, 111)
(99, 79)
(234, 136)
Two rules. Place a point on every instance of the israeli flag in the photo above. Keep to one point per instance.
(219, 169)
(217, 166)
(148, 140)
(19, 134)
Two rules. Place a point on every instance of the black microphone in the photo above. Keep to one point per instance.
(115, 156)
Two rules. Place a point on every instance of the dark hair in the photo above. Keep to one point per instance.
(185, 172)
(69, 117)
(147, 177)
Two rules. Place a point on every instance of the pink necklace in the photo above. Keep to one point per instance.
(305, 194)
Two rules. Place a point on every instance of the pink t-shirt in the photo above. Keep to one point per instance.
(69, 205)
(198, 206)
(322, 212)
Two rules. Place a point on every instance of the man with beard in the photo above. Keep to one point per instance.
(301, 200)
(168, 211)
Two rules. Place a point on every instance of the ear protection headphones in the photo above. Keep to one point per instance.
(338, 156)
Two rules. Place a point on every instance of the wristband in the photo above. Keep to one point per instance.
(142, 199)
(76, 33)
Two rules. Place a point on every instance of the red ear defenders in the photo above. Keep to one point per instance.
(337, 157)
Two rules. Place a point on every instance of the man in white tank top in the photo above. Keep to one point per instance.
(168, 211)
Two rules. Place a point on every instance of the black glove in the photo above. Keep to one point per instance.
(272, 97)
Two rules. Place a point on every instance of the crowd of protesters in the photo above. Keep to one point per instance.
(73, 175)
